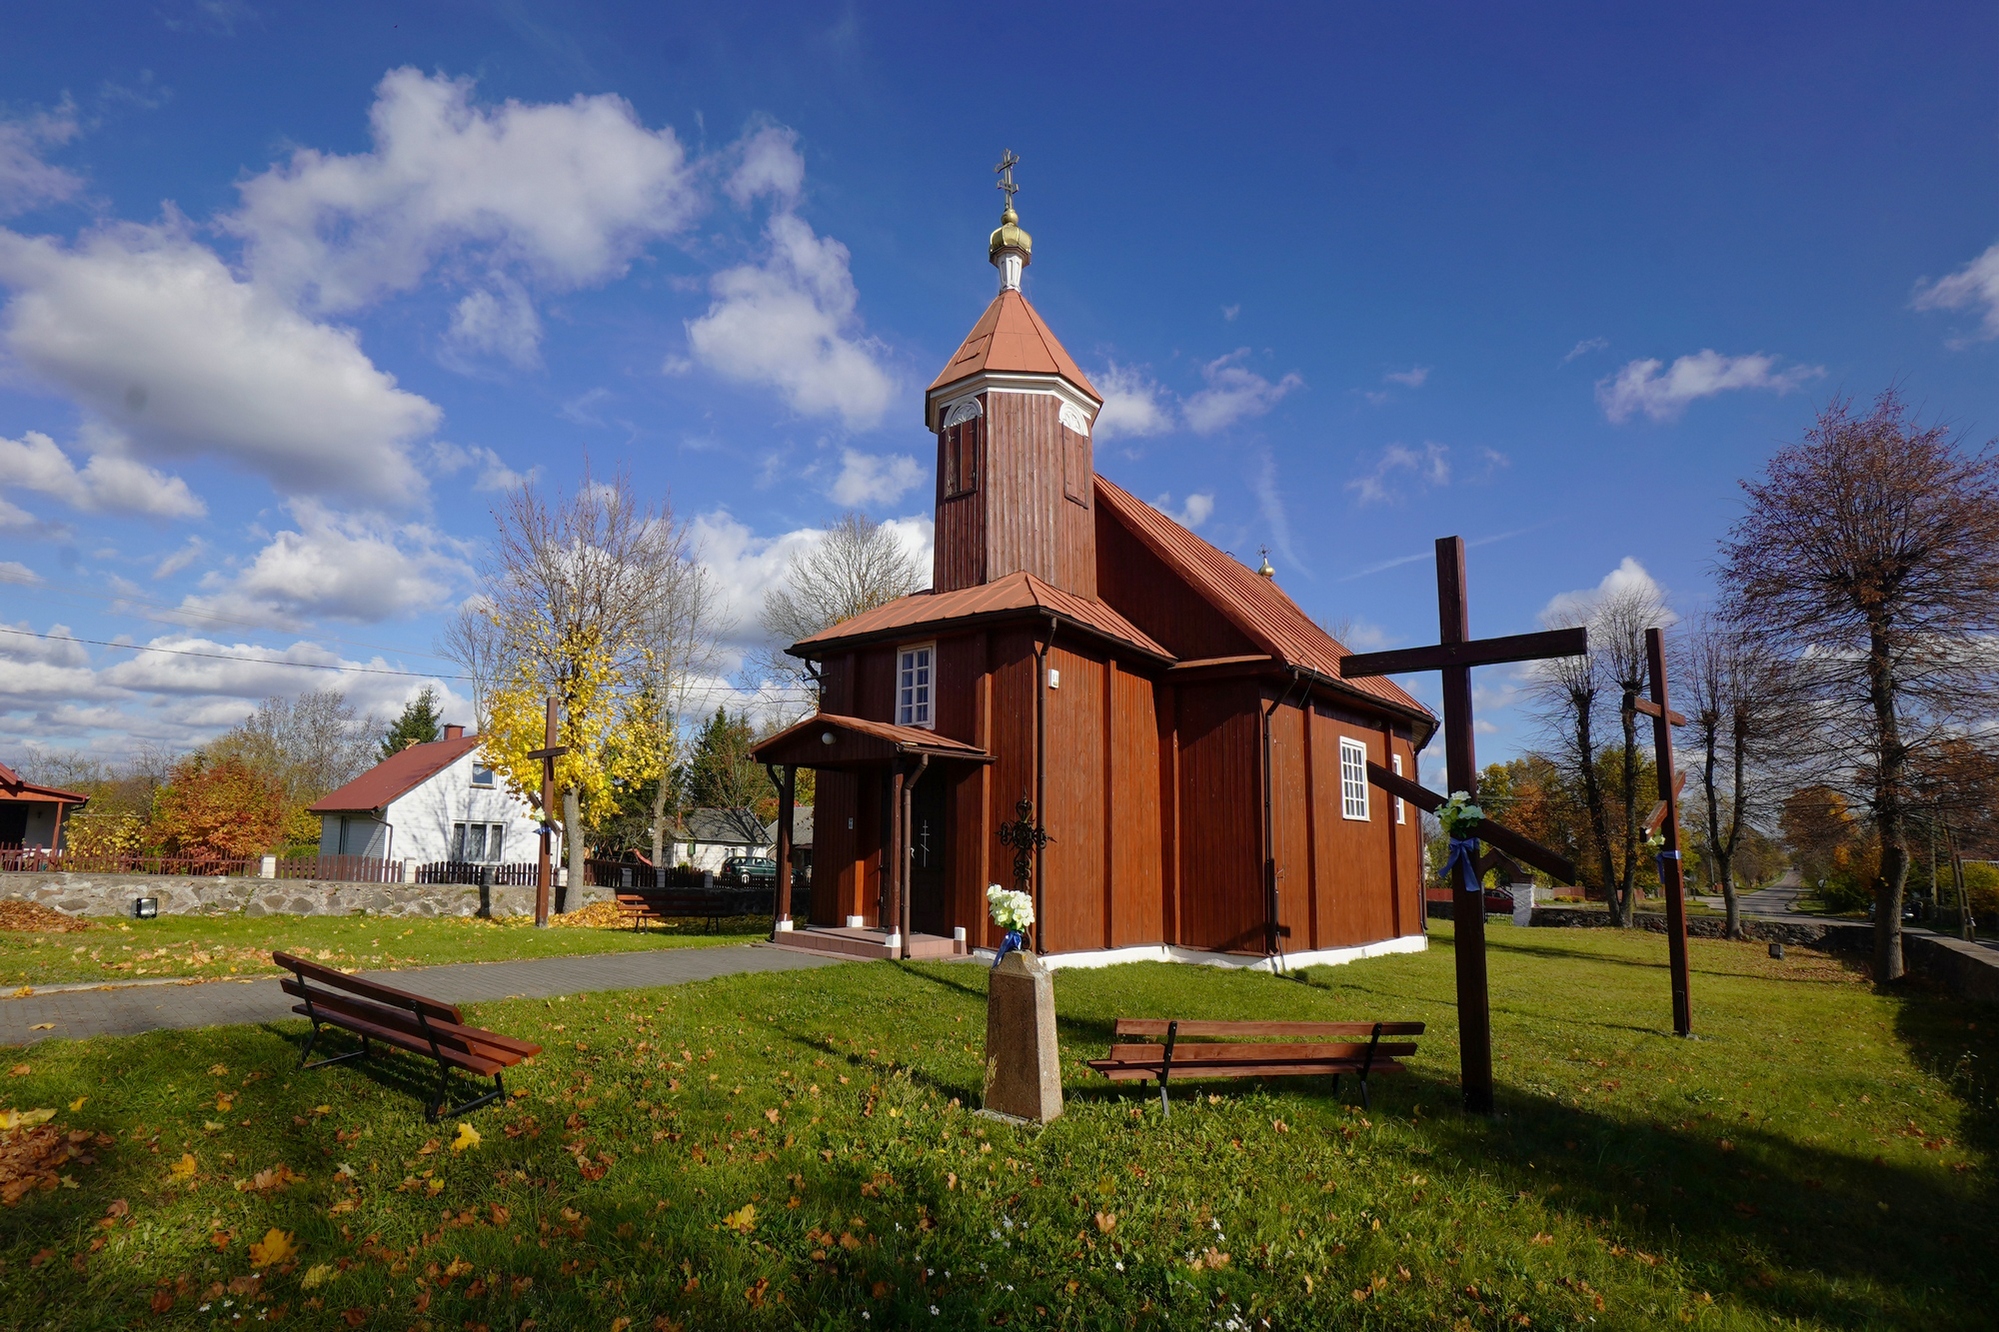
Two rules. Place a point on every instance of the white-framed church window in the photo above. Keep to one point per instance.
(915, 676)
(1401, 813)
(1353, 779)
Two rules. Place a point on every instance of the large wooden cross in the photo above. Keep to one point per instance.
(1455, 655)
(1667, 817)
(548, 754)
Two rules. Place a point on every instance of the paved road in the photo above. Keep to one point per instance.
(129, 1010)
(1778, 899)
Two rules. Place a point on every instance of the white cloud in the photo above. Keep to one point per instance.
(26, 181)
(1134, 404)
(498, 320)
(1399, 465)
(1234, 393)
(490, 470)
(1585, 347)
(1974, 285)
(1628, 580)
(108, 483)
(1640, 387)
(567, 192)
(337, 566)
(158, 342)
(1190, 515)
(180, 559)
(789, 322)
(1229, 312)
(867, 479)
(769, 166)
(744, 565)
(1270, 500)
(1414, 377)
(13, 571)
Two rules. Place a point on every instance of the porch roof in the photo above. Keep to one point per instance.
(13, 789)
(826, 740)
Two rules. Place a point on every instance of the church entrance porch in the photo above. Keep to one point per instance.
(896, 827)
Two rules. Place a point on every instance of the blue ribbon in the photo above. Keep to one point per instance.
(1011, 943)
(1463, 858)
(1659, 863)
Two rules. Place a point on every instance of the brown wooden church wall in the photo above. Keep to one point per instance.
(1010, 657)
(1220, 816)
(1132, 814)
(959, 556)
(1138, 583)
(1029, 525)
(1353, 865)
(1076, 900)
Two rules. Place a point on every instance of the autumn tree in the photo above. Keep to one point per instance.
(1576, 697)
(1868, 558)
(1740, 710)
(678, 645)
(570, 586)
(307, 746)
(219, 808)
(857, 565)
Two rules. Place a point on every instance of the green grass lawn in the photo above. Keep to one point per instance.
(797, 1151)
(237, 945)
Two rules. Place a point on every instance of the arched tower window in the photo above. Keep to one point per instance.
(959, 448)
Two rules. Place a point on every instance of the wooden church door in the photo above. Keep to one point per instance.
(928, 891)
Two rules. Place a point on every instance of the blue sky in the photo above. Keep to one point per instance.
(291, 293)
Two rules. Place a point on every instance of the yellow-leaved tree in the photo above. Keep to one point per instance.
(573, 590)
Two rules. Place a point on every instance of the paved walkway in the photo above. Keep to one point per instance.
(129, 1010)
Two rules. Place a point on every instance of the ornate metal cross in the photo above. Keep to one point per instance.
(1026, 837)
(1005, 173)
(1454, 657)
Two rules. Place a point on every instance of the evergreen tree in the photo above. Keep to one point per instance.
(722, 775)
(417, 726)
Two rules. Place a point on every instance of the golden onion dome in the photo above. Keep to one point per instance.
(1009, 236)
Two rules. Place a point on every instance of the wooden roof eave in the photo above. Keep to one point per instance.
(1266, 666)
(910, 633)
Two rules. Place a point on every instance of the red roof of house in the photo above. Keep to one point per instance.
(1251, 602)
(394, 776)
(1007, 596)
(13, 788)
(1010, 337)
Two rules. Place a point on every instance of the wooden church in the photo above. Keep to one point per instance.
(1159, 733)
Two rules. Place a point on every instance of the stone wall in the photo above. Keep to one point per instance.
(84, 894)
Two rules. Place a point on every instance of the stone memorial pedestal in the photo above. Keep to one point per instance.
(1023, 1063)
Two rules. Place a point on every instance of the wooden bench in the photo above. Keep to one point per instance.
(1231, 1050)
(640, 905)
(376, 1012)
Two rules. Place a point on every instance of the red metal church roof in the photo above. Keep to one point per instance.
(1011, 338)
(1002, 597)
(1254, 604)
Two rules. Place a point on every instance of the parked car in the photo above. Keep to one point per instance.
(749, 871)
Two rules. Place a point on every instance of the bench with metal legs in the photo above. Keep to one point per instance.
(1245, 1050)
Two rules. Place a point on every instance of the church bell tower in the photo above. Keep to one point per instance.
(1012, 412)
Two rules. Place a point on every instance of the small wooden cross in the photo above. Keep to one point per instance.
(1666, 817)
(548, 754)
(1455, 655)
(1005, 173)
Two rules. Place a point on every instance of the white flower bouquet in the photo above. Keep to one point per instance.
(1011, 910)
(1460, 817)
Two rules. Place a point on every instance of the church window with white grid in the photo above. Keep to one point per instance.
(1353, 779)
(914, 686)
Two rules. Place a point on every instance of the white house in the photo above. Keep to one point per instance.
(429, 803)
(707, 837)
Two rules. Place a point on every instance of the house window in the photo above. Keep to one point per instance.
(495, 833)
(458, 841)
(1353, 779)
(960, 448)
(481, 775)
(1401, 816)
(913, 686)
